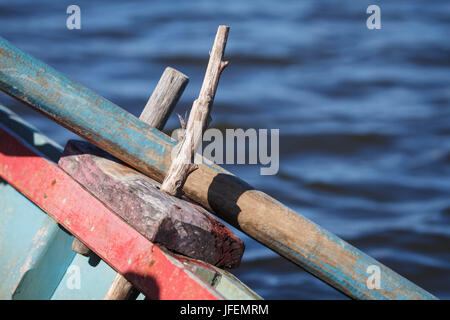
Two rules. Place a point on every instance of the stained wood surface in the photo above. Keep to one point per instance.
(179, 225)
(223, 281)
(278, 227)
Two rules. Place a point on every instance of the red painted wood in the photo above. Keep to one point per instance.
(153, 272)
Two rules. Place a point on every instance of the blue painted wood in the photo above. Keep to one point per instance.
(268, 221)
(51, 264)
(87, 278)
(34, 250)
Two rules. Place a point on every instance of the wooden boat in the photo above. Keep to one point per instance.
(26, 165)
(36, 256)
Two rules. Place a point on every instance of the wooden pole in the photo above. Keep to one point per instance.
(164, 98)
(121, 289)
(182, 165)
(80, 248)
(260, 216)
(156, 112)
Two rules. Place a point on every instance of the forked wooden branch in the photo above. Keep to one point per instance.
(183, 158)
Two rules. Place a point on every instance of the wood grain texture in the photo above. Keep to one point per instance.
(164, 98)
(260, 216)
(179, 225)
(183, 163)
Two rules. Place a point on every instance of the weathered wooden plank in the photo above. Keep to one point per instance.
(121, 134)
(34, 250)
(177, 224)
(128, 252)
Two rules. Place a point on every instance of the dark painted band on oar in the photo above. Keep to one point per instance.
(148, 150)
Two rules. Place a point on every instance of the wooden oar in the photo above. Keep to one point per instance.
(260, 216)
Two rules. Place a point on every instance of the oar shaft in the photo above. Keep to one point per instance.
(255, 213)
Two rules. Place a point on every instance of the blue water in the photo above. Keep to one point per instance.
(363, 114)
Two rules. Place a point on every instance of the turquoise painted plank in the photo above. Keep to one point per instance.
(93, 274)
(42, 280)
(34, 250)
(87, 278)
(123, 135)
